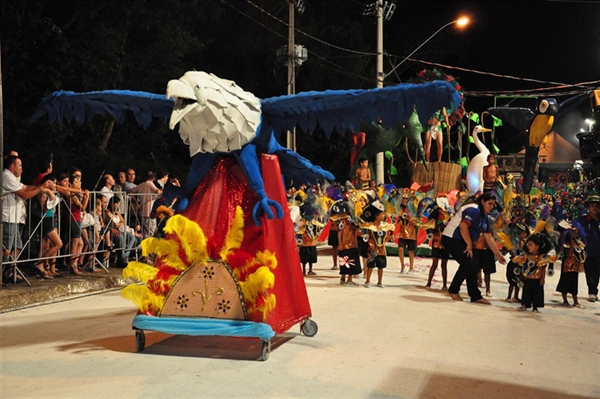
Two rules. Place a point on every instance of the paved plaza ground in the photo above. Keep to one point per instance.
(402, 341)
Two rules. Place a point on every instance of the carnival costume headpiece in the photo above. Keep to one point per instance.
(592, 198)
(371, 212)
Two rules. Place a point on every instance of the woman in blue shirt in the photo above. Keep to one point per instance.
(465, 227)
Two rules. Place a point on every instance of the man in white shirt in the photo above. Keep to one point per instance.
(108, 183)
(14, 212)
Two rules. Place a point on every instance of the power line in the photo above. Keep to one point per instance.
(308, 35)
(556, 85)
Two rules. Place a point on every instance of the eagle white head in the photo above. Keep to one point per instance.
(215, 115)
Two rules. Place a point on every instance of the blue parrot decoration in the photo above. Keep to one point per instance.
(217, 118)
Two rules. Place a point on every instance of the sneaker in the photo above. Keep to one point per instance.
(367, 285)
(334, 267)
(592, 298)
(380, 286)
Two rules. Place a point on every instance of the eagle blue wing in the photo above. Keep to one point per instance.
(347, 109)
(67, 106)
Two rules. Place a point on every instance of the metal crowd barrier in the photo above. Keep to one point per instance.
(32, 232)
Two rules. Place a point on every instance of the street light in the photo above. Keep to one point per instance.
(461, 22)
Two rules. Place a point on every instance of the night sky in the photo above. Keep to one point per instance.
(551, 41)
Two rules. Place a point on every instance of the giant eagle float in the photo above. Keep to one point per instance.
(236, 224)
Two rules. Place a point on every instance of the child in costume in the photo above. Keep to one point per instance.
(347, 255)
(441, 217)
(521, 232)
(378, 233)
(308, 232)
(406, 227)
(574, 256)
(538, 254)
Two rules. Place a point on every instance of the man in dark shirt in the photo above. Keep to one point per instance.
(591, 230)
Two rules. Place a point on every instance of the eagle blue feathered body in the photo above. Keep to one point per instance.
(215, 117)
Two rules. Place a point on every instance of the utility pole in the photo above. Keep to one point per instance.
(381, 9)
(291, 79)
(379, 159)
(293, 56)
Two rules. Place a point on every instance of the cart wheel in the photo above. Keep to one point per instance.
(309, 328)
(266, 350)
(140, 340)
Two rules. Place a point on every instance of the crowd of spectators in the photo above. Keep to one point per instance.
(54, 226)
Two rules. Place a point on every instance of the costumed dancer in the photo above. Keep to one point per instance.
(441, 217)
(520, 231)
(484, 258)
(308, 232)
(378, 233)
(347, 250)
(406, 227)
(574, 255)
(533, 270)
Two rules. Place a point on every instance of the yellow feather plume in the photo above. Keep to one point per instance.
(235, 236)
(505, 241)
(140, 271)
(539, 226)
(257, 283)
(141, 296)
(191, 236)
(269, 304)
(166, 249)
(162, 284)
(267, 258)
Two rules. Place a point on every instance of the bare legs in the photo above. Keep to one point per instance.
(432, 270)
(411, 260)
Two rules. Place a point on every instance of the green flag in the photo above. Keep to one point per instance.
(463, 162)
(471, 139)
(496, 149)
(474, 117)
(497, 121)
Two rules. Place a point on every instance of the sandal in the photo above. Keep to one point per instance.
(9, 277)
(578, 306)
(74, 269)
(566, 304)
(43, 274)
